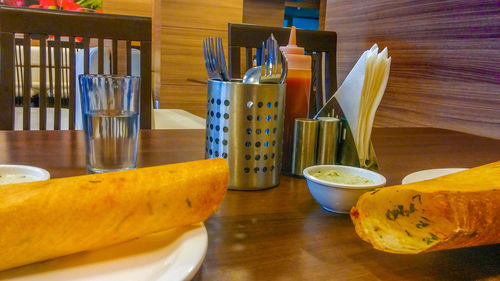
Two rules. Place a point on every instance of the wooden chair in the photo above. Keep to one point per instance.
(35, 67)
(321, 45)
(58, 29)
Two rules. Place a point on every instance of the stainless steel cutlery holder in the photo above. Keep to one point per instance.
(245, 126)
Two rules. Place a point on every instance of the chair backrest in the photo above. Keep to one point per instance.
(57, 34)
(321, 45)
(50, 71)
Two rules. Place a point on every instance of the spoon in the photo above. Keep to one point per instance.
(252, 76)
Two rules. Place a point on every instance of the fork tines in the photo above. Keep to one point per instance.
(220, 59)
(209, 59)
(271, 61)
(213, 51)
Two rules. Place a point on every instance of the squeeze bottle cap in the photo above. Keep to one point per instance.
(295, 54)
(292, 47)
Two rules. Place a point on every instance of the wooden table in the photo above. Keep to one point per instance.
(282, 233)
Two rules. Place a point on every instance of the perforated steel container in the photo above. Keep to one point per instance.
(245, 126)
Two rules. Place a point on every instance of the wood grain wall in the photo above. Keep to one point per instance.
(264, 12)
(142, 8)
(184, 24)
(322, 14)
(445, 68)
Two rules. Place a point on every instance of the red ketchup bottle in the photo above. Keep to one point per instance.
(298, 87)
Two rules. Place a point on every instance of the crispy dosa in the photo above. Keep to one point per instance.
(453, 211)
(48, 219)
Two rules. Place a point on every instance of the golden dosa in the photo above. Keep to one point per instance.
(48, 219)
(453, 211)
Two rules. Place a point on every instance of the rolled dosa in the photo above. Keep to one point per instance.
(47, 219)
(453, 211)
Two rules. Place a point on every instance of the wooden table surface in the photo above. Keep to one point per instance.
(282, 233)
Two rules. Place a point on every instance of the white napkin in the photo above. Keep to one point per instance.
(360, 94)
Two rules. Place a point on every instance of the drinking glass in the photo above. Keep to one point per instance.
(110, 109)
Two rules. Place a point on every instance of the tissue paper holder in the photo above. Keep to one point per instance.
(347, 153)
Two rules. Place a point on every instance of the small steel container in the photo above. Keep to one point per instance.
(328, 139)
(245, 126)
(305, 138)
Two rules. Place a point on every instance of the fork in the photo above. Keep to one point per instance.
(210, 61)
(219, 48)
(274, 64)
(215, 63)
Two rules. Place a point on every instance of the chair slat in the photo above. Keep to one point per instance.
(86, 55)
(42, 96)
(129, 57)
(63, 73)
(317, 99)
(72, 82)
(19, 73)
(27, 81)
(100, 56)
(234, 58)
(50, 55)
(248, 58)
(115, 57)
(57, 76)
(258, 56)
(332, 70)
(65, 76)
(7, 92)
(146, 93)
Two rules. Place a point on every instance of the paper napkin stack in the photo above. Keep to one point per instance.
(359, 97)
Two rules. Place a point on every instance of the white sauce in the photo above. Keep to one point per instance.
(16, 178)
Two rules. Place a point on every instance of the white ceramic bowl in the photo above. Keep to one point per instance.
(10, 172)
(338, 197)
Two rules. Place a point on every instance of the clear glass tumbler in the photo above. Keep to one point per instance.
(110, 109)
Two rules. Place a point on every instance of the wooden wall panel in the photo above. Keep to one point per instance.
(156, 64)
(189, 97)
(264, 12)
(185, 23)
(445, 68)
(213, 14)
(322, 14)
(182, 54)
(142, 8)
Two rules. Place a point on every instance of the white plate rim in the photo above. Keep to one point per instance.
(39, 173)
(186, 253)
(429, 174)
(195, 263)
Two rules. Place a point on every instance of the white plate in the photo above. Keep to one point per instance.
(430, 174)
(175, 254)
(33, 173)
